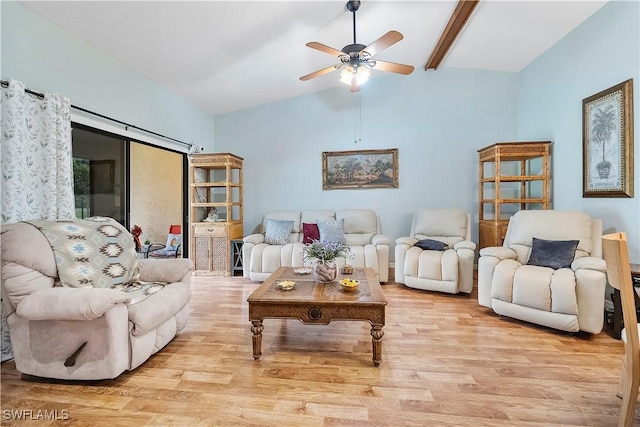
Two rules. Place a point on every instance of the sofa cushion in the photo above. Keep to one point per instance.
(296, 230)
(439, 222)
(332, 231)
(310, 233)
(278, 232)
(552, 253)
(431, 245)
(94, 252)
(552, 225)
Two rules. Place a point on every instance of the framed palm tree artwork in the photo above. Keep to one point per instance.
(607, 142)
(360, 169)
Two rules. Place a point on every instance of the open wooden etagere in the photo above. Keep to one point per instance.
(513, 176)
(215, 184)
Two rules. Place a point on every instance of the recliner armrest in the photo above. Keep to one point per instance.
(254, 238)
(465, 244)
(379, 239)
(168, 270)
(499, 252)
(60, 303)
(410, 241)
(589, 263)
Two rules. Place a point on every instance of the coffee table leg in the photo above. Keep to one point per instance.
(257, 328)
(376, 341)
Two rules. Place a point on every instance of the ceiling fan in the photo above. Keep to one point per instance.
(356, 59)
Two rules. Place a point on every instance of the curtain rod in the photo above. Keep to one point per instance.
(5, 84)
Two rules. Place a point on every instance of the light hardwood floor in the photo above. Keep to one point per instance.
(446, 362)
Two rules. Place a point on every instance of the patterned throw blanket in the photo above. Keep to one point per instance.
(96, 252)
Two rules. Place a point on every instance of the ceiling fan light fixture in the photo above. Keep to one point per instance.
(357, 59)
(360, 73)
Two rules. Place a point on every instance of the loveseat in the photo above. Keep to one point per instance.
(94, 314)
(263, 255)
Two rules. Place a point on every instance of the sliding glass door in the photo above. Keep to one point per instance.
(157, 191)
(133, 182)
(99, 168)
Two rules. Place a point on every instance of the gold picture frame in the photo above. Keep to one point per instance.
(607, 142)
(360, 169)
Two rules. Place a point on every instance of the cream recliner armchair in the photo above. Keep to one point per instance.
(80, 318)
(447, 269)
(550, 282)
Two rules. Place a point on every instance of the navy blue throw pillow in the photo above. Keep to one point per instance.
(431, 245)
(552, 253)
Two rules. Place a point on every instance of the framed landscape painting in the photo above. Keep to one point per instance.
(607, 142)
(360, 169)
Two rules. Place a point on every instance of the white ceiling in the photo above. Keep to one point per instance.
(229, 55)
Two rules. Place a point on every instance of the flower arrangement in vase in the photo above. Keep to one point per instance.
(323, 255)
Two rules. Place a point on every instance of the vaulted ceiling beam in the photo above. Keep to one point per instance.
(458, 19)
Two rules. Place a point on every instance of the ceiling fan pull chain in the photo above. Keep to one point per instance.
(360, 121)
(357, 116)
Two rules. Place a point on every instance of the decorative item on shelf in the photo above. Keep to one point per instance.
(146, 245)
(136, 232)
(212, 216)
(323, 254)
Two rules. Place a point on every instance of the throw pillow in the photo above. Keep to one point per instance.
(552, 253)
(310, 232)
(332, 231)
(102, 252)
(431, 245)
(277, 232)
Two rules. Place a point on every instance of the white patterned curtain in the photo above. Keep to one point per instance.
(37, 172)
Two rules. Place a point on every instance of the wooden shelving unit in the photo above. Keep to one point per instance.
(513, 176)
(215, 182)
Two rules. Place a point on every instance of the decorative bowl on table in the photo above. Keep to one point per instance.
(286, 285)
(349, 284)
(302, 270)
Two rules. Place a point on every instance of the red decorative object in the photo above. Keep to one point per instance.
(136, 231)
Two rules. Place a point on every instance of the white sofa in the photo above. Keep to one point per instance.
(369, 247)
(447, 270)
(569, 298)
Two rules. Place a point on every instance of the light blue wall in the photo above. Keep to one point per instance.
(437, 120)
(600, 53)
(49, 59)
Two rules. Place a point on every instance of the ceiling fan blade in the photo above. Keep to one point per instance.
(324, 48)
(391, 38)
(393, 67)
(320, 72)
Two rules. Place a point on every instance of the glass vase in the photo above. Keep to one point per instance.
(325, 272)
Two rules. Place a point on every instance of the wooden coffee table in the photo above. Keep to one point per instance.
(319, 303)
